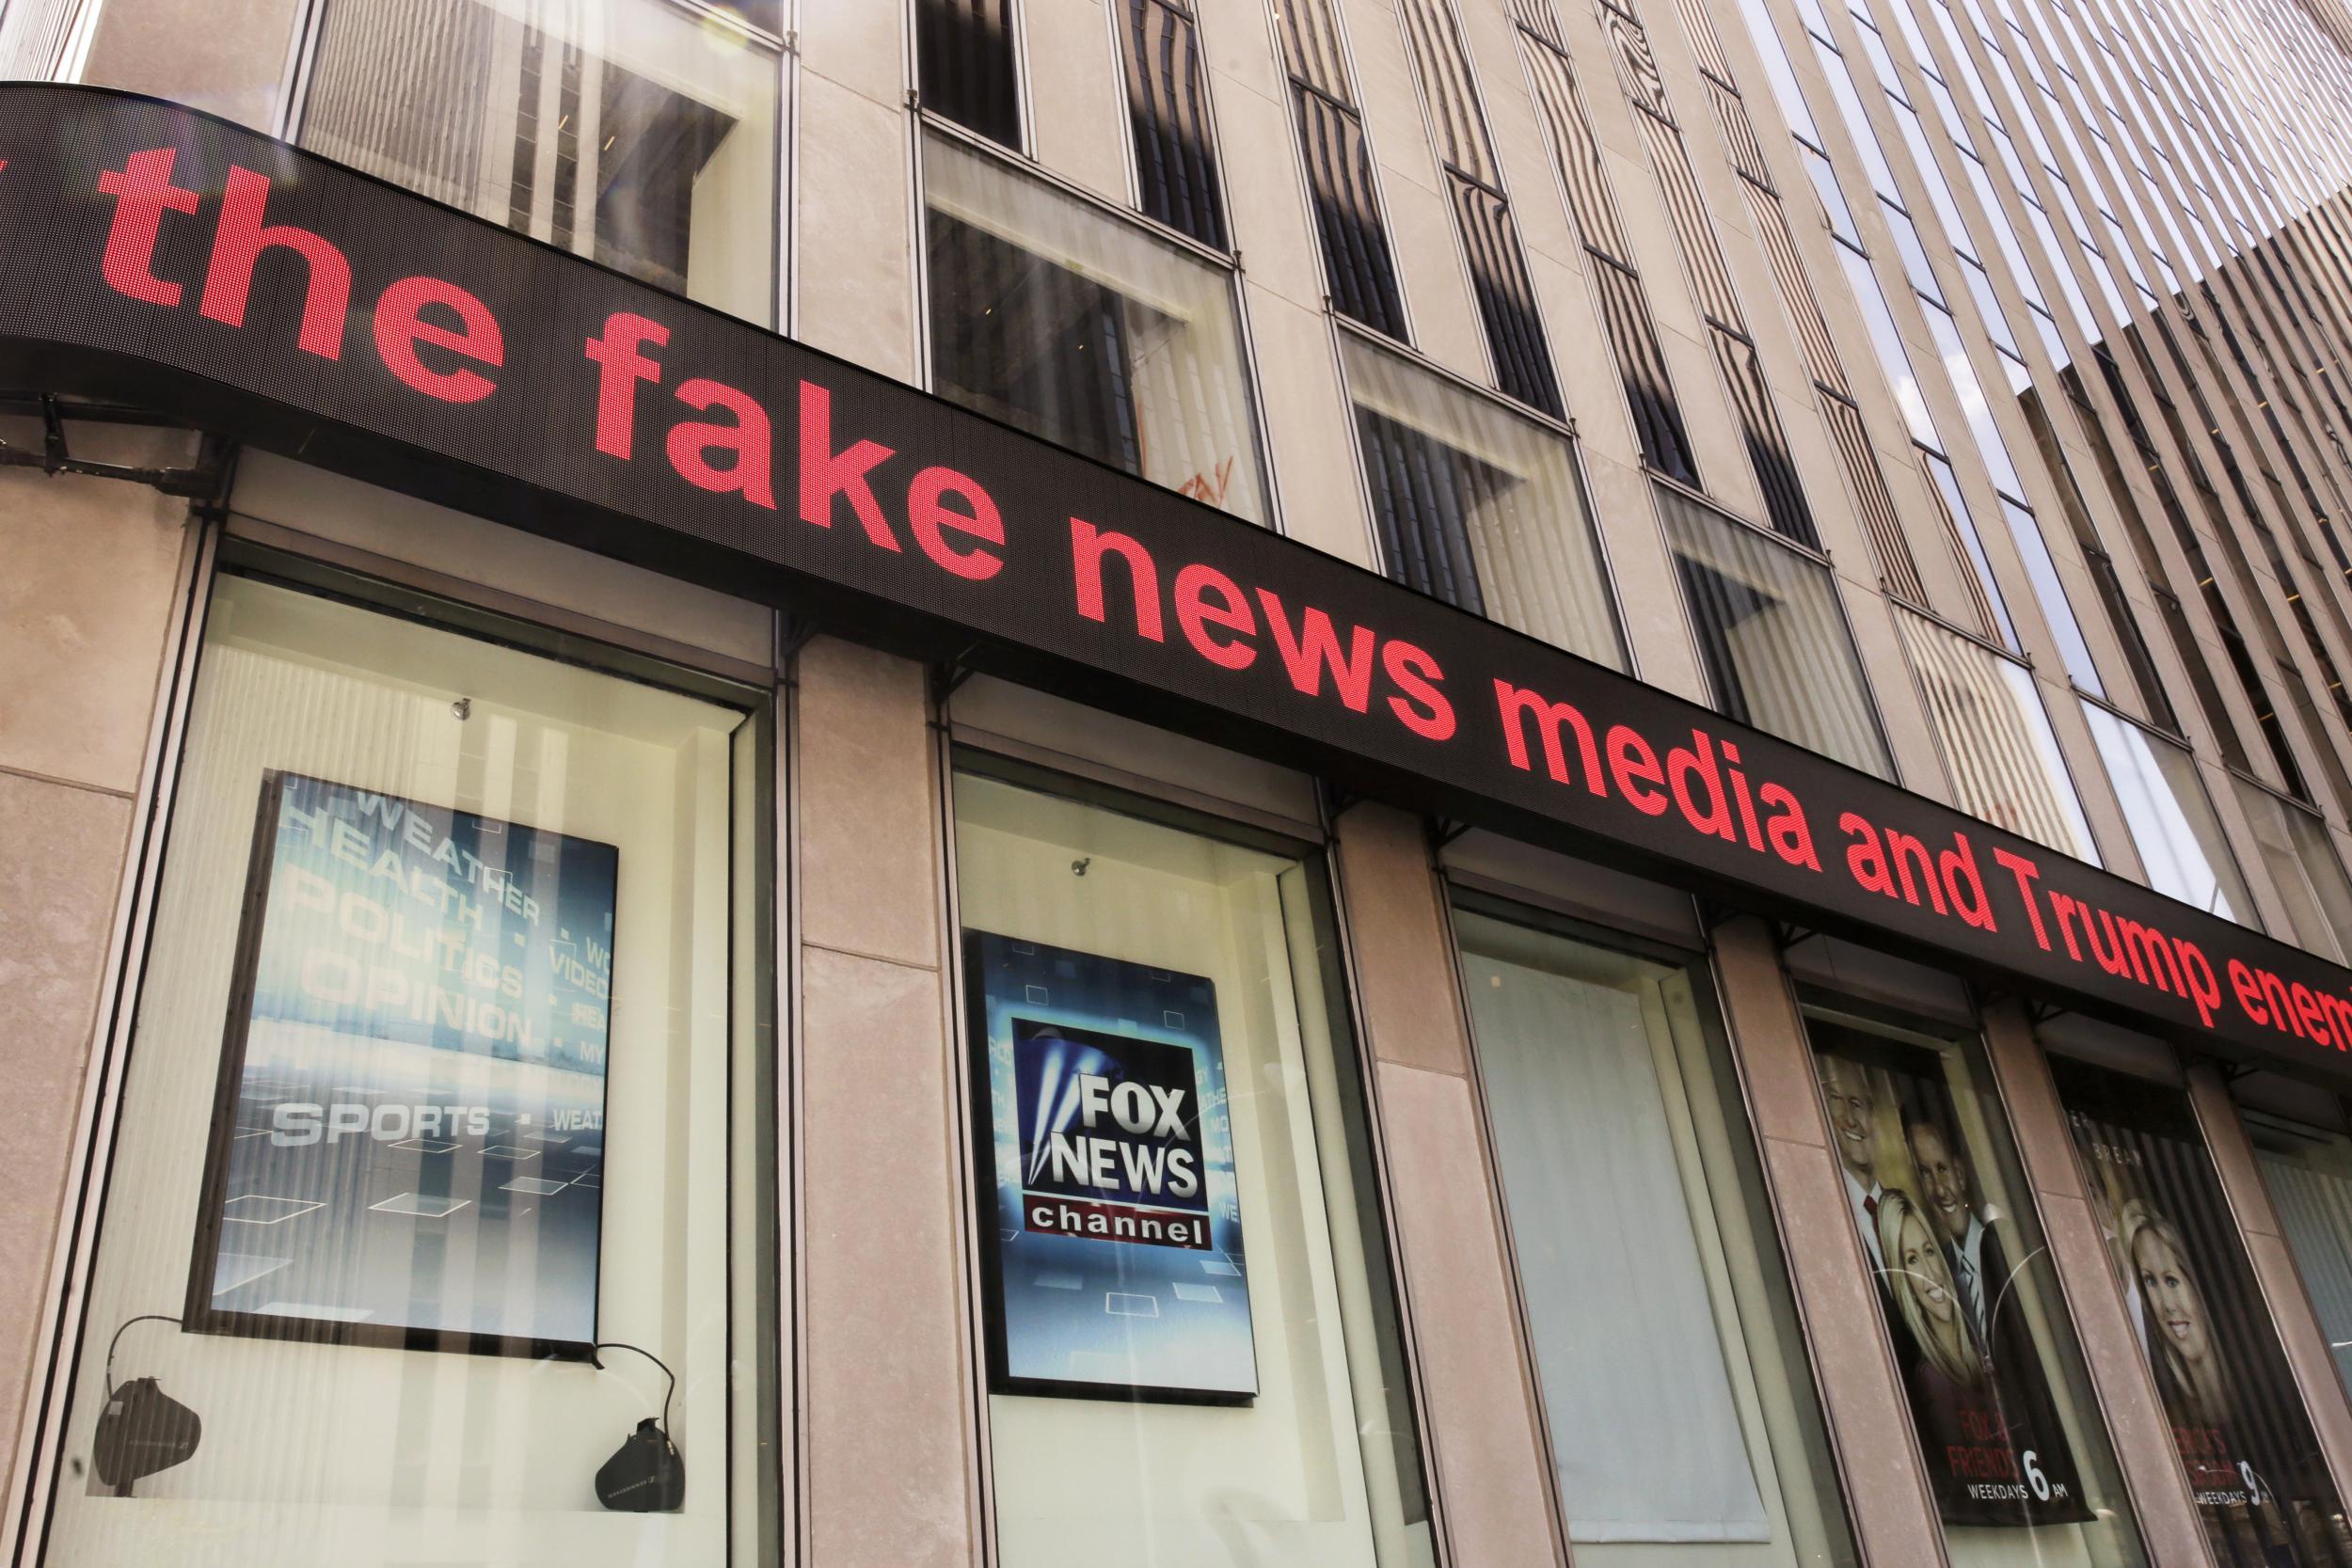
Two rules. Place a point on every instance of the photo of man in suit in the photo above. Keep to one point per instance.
(1947, 1187)
(1852, 1103)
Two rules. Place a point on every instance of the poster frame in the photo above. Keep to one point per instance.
(1001, 1379)
(199, 1314)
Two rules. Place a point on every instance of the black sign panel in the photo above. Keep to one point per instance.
(152, 254)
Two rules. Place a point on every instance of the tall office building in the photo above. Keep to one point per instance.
(1362, 782)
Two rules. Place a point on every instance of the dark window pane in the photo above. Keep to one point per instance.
(964, 58)
(1507, 301)
(1361, 274)
(1175, 144)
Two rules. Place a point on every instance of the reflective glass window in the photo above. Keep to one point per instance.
(1771, 634)
(2009, 1428)
(1075, 326)
(1684, 1426)
(1193, 1344)
(445, 1153)
(634, 132)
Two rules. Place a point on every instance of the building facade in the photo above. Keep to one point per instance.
(1368, 782)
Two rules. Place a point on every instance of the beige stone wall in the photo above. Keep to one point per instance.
(93, 580)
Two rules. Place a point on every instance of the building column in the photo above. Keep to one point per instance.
(888, 1431)
(2137, 1427)
(89, 608)
(1893, 1508)
(2300, 1332)
(1486, 1448)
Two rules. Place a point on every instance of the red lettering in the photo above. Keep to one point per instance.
(400, 326)
(826, 473)
(747, 439)
(2025, 873)
(620, 368)
(1315, 647)
(1515, 705)
(1206, 597)
(1087, 545)
(237, 246)
(1423, 708)
(928, 518)
(1633, 764)
(2248, 991)
(143, 192)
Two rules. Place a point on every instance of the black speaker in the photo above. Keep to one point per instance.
(646, 1475)
(141, 1430)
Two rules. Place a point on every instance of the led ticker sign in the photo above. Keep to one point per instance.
(164, 257)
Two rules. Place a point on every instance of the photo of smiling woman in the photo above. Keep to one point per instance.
(2252, 1459)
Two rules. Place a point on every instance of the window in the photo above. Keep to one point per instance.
(1357, 266)
(1199, 1355)
(1682, 1417)
(1771, 634)
(495, 1085)
(2309, 1172)
(2005, 763)
(1478, 506)
(1065, 321)
(633, 132)
(2304, 868)
(2173, 826)
(964, 64)
(2237, 1417)
(1167, 106)
(2009, 1432)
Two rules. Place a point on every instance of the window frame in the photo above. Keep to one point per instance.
(310, 31)
(1343, 330)
(956, 752)
(476, 610)
(923, 124)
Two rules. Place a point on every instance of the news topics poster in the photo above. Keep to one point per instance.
(1116, 1264)
(1950, 1269)
(408, 1143)
(2253, 1460)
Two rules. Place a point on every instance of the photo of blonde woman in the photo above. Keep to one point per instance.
(2189, 1370)
(1918, 1278)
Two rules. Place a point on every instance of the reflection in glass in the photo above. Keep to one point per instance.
(2254, 1464)
(1060, 318)
(1683, 1421)
(2173, 826)
(419, 1137)
(1134, 939)
(2004, 762)
(2304, 868)
(2309, 1172)
(1477, 505)
(2016, 1453)
(1771, 634)
(624, 130)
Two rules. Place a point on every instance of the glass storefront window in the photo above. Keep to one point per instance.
(1771, 634)
(2304, 868)
(2009, 1430)
(1194, 1354)
(1683, 1421)
(2005, 763)
(2309, 1172)
(640, 132)
(1078, 326)
(2254, 1464)
(439, 1161)
(1477, 505)
(2173, 826)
